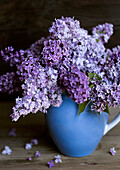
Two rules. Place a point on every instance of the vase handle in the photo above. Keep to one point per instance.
(113, 123)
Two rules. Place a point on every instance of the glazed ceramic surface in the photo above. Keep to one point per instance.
(74, 135)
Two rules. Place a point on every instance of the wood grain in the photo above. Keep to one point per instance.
(33, 126)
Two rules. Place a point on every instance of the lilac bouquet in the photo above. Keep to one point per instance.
(68, 61)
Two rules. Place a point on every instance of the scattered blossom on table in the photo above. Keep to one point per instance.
(7, 151)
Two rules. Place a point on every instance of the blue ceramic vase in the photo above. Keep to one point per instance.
(75, 135)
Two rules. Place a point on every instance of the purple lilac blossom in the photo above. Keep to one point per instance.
(7, 151)
(58, 159)
(66, 28)
(26, 68)
(88, 55)
(83, 49)
(12, 132)
(112, 151)
(37, 154)
(54, 52)
(107, 90)
(102, 94)
(9, 83)
(62, 60)
(12, 56)
(110, 69)
(36, 48)
(51, 164)
(40, 92)
(30, 159)
(103, 32)
(75, 83)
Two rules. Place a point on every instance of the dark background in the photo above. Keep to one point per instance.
(22, 22)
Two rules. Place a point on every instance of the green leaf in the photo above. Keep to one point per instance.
(107, 109)
(97, 40)
(90, 75)
(98, 31)
(107, 57)
(103, 32)
(82, 106)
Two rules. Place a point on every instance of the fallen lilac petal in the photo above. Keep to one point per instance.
(34, 141)
(12, 132)
(28, 146)
(112, 151)
(6, 151)
(30, 159)
(37, 154)
(51, 164)
(57, 159)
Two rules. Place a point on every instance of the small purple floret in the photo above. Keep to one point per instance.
(12, 132)
(37, 154)
(51, 164)
(112, 151)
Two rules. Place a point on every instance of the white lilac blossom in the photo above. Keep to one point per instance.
(75, 83)
(103, 32)
(58, 159)
(12, 132)
(7, 151)
(28, 146)
(112, 151)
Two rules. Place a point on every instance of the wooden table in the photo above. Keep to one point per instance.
(33, 126)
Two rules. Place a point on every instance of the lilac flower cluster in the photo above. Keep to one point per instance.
(110, 70)
(76, 83)
(102, 94)
(36, 48)
(103, 32)
(88, 55)
(9, 83)
(12, 56)
(61, 63)
(40, 91)
(65, 28)
(54, 52)
(83, 50)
